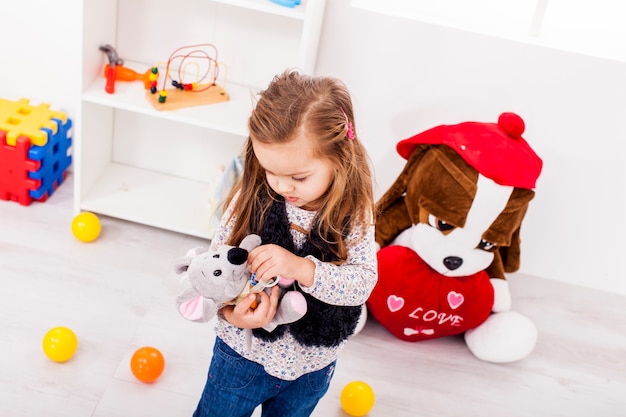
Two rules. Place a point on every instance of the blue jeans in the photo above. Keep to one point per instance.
(236, 386)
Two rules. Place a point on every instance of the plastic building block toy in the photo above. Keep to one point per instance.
(54, 158)
(15, 167)
(20, 118)
(34, 151)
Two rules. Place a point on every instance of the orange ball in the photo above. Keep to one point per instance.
(147, 364)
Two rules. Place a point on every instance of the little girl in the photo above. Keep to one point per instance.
(307, 191)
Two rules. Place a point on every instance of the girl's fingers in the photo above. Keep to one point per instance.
(245, 304)
(274, 296)
(267, 305)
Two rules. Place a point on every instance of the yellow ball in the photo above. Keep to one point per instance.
(59, 344)
(357, 398)
(86, 227)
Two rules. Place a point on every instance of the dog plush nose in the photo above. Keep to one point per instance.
(237, 256)
(452, 262)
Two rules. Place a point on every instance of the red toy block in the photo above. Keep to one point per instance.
(14, 168)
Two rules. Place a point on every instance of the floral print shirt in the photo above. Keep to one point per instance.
(348, 284)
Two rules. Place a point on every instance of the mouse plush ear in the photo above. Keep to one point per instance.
(196, 251)
(194, 307)
(182, 264)
(250, 242)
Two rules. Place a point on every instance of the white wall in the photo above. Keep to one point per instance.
(407, 76)
(40, 43)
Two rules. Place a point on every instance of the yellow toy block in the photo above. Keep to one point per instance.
(19, 118)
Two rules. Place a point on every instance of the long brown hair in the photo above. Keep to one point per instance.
(323, 107)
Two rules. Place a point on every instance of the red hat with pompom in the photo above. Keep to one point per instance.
(497, 151)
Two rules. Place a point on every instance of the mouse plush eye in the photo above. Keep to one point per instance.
(486, 245)
(439, 224)
(217, 272)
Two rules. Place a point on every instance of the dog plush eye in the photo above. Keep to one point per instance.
(217, 272)
(217, 255)
(439, 224)
(486, 245)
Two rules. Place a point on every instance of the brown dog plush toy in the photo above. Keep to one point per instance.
(449, 229)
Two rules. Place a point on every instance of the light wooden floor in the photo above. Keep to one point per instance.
(117, 295)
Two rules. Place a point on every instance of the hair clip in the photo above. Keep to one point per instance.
(350, 133)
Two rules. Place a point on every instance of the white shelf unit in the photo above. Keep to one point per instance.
(158, 168)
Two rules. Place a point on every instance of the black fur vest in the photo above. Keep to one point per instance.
(323, 324)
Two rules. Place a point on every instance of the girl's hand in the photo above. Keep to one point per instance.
(245, 317)
(269, 261)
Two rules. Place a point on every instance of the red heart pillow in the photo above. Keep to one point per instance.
(414, 302)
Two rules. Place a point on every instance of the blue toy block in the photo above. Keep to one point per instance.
(54, 159)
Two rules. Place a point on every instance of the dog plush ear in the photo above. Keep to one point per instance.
(506, 258)
(505, 232)
(392, 216)
(398, 188)
(511, 255)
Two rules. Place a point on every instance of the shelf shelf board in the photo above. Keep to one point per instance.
(151, 198)
(267, 6)
(230, 116)
(116, 135)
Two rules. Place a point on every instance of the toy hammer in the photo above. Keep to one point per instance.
(116, 71)
(114, 60)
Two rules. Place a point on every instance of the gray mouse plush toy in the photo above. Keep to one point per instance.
(220, 277)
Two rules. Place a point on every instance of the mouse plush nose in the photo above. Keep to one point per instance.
(453, 262)
(237, 256)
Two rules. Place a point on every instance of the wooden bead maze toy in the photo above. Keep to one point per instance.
(190, 88)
